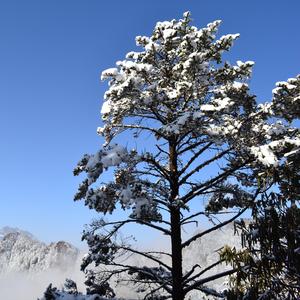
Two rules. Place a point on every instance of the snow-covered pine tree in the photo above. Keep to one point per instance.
(209, 140)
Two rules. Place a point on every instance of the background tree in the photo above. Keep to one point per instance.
(206, 139)
(272, 237)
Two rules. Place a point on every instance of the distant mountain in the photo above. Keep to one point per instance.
(21, 252)
(6, 230)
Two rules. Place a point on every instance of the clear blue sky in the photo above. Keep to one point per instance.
(51, 56)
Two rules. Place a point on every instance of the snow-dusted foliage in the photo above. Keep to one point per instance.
(286, 98)
(211, 140)
(272, 237)
(70, 292)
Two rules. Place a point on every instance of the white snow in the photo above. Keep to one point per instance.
(230, 36)
(217, 104)
(248, 62)
(276, 90)
(167, 33)
(111, 72)
(265, 155)
(288, 85)
(113, 156)
(108, 157)
(238, 85)
(105, 107)
(291, 152)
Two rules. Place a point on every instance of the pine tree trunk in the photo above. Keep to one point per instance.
(177, 293)
(176, 255)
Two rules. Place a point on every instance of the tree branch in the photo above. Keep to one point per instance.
(197, 154)
(197, 190)
(197, 236)
(147, 256)
(208, 279)
(204, 271)
(199, 167)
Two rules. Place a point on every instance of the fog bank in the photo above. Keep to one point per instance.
(29, 286)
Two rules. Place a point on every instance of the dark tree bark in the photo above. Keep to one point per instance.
(177, 293)
(176, 255)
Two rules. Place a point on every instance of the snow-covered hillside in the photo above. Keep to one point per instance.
(6, 230)
(21, 252)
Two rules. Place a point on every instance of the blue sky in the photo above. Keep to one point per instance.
(51, 57)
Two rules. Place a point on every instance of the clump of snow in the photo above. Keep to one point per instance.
(230, 36)
(246, 63)
(111, 72)
(169, 32)
(113, 156)
(217, 104)
(265, 155)
(105, 107)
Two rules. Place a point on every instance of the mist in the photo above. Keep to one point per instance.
(32, 285)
